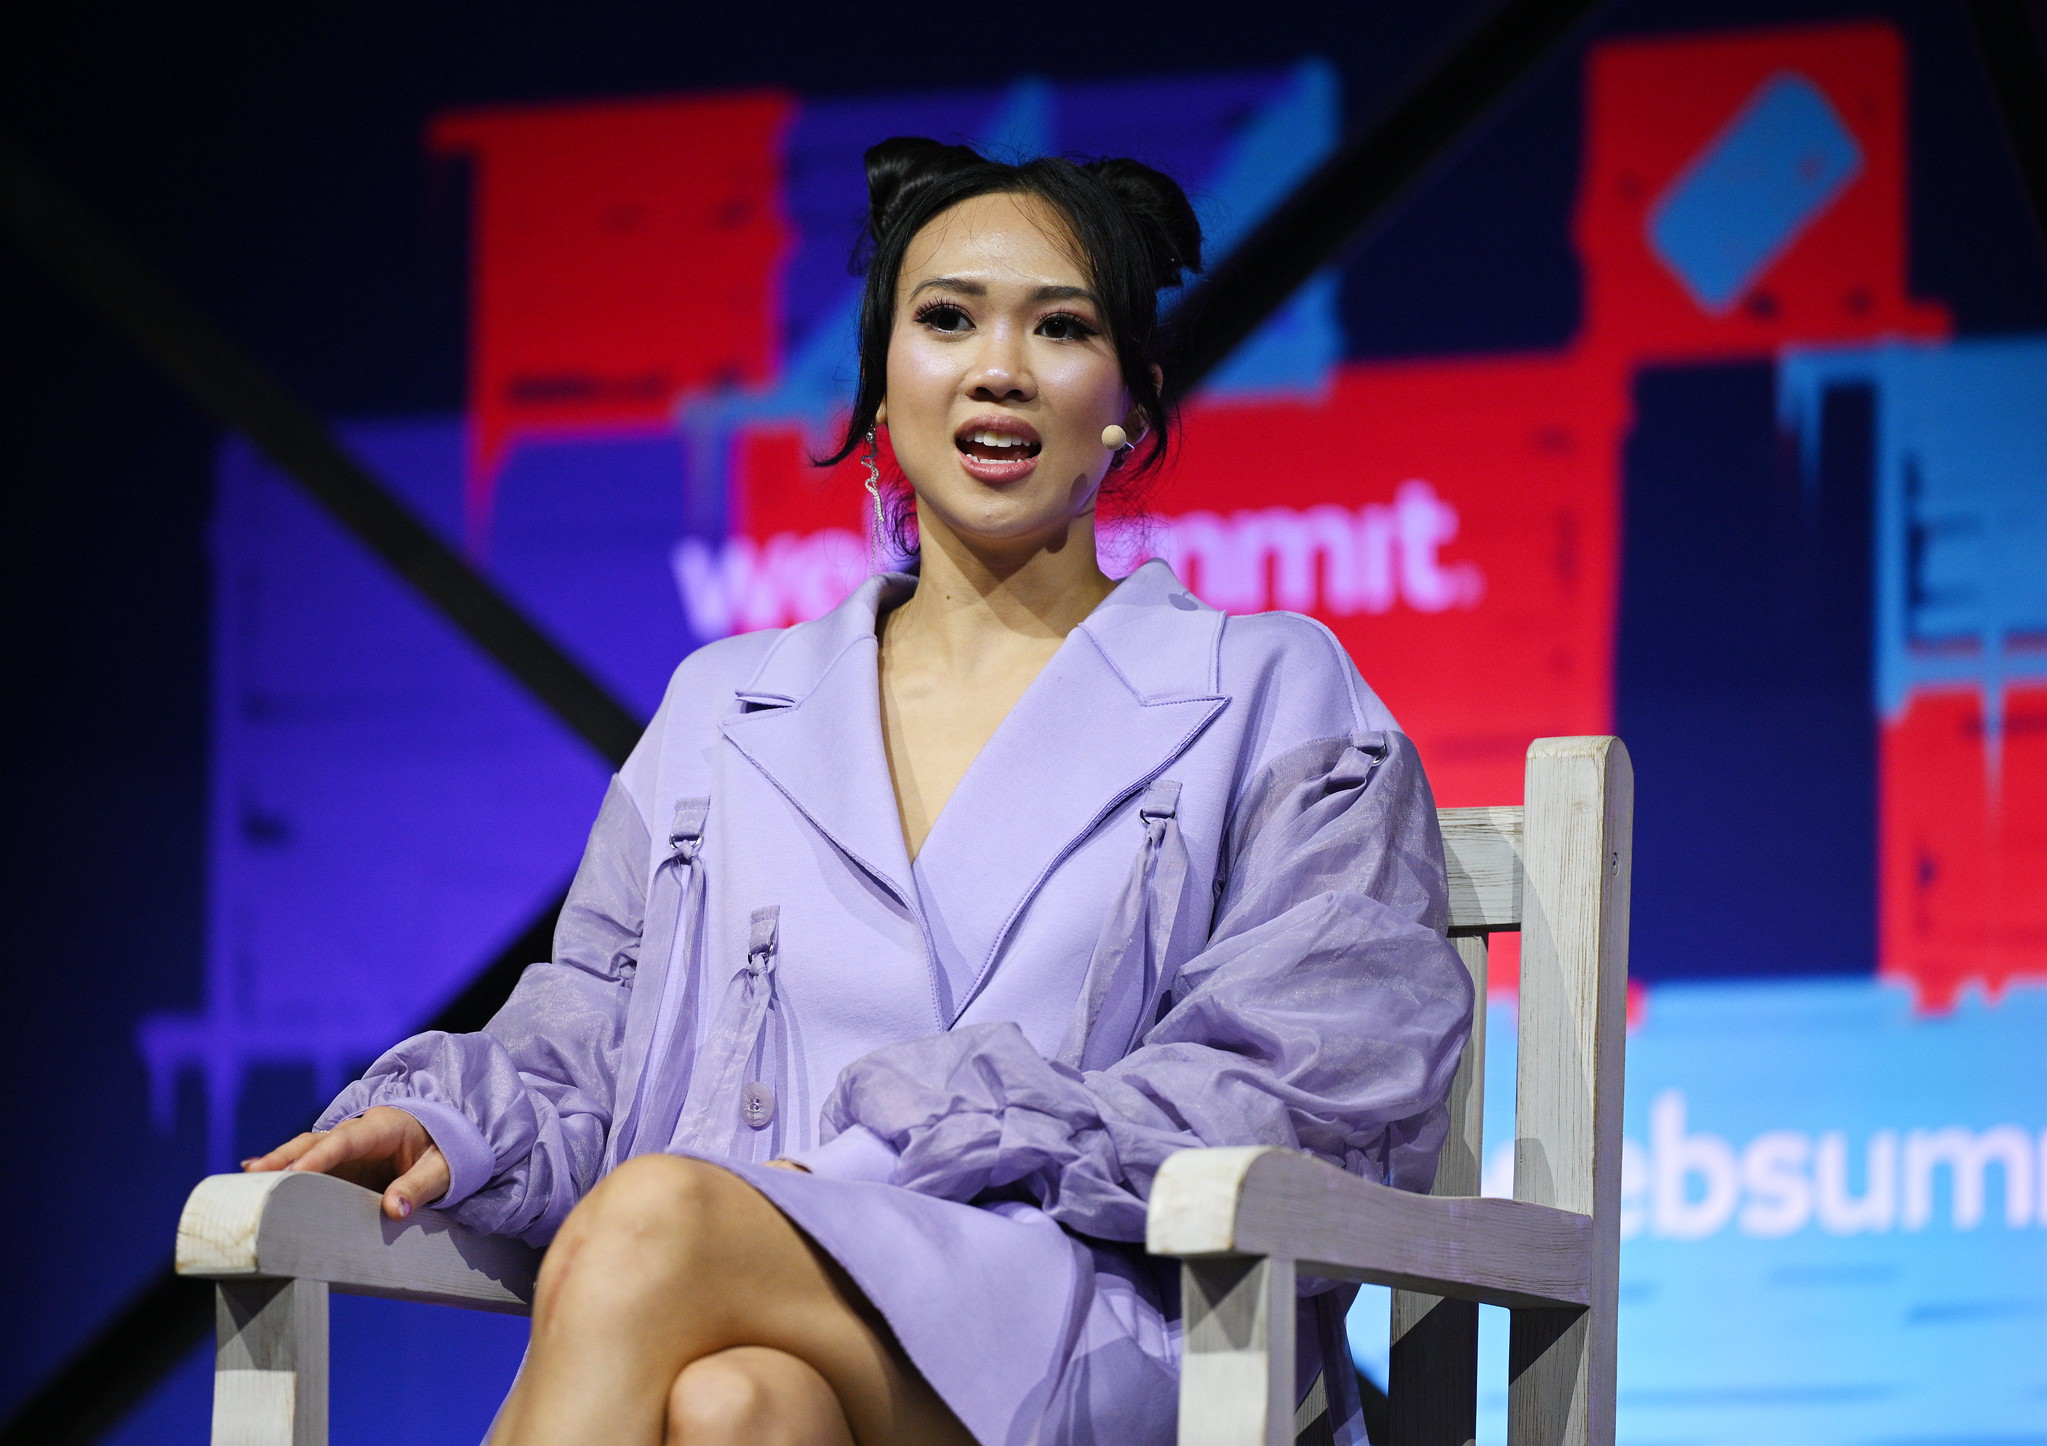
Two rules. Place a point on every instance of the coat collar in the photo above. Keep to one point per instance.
(1125, 694)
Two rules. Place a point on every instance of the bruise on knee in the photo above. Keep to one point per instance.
(652, 1211)
(660, 1224)
(648, 1199)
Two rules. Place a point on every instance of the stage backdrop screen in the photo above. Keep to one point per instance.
(1763, 511)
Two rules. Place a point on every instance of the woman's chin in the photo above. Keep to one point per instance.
(993, 530)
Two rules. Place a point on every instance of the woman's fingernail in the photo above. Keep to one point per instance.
(250, 1161)
(404, 1207)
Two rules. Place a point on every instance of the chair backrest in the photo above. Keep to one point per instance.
(1557, 870)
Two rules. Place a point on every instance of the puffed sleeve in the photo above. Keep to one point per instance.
(1326, 1012)
(522, 1108)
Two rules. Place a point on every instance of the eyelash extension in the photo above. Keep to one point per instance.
(1079, 323)
(925, 311)
(1083, 328)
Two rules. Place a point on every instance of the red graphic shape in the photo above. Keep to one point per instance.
(1963, 852)
(1527, 449)
(628, 253)
(1524, 451)
(1652, 106)
(624, 253)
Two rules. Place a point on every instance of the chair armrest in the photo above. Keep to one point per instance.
(317, 1227)
(1259, 1200)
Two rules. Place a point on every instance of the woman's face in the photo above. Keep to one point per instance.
(1000, 375)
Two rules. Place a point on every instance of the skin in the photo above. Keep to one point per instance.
(984, 326)
(677, 1304)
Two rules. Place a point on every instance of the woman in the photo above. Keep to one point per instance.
(910, 941)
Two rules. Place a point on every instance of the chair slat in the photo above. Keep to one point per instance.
(1432, 1376)
(1482, 846)
(1580, 796)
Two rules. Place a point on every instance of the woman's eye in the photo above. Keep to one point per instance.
(1065, 328)
(944, 317)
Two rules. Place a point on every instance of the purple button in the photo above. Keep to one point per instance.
(756, 1104)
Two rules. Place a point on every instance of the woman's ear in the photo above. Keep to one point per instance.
(1137, 424)
(881, 413)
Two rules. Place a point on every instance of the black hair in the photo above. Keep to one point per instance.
(1136, 233)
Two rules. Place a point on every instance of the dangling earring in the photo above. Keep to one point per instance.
(880, 528)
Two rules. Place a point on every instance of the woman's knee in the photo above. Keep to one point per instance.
(754, 1396)
(656, 1209)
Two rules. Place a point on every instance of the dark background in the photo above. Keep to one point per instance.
(269, 158)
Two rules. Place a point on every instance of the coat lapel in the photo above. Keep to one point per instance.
(1126, 693)
(1122, 698)
(813, 726)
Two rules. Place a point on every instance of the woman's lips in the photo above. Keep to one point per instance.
(990, 470)
(998, 449)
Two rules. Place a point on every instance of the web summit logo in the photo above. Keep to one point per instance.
(1333, 561)
(1687, 1186)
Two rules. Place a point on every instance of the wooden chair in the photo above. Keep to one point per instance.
(1243, 1221)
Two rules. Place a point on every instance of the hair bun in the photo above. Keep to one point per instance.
(1163, 214)
(900, 167)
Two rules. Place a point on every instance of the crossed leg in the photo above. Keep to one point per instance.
(679, 1306)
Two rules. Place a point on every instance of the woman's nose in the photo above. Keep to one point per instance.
(1000, 373)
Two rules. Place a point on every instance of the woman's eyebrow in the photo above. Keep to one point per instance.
(966, 287)
(950, 283)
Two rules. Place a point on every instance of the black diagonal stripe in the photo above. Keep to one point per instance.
(144, 306)
(2010, 48)
(1362, 180)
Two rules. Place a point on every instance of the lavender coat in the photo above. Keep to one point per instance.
(1190, 893)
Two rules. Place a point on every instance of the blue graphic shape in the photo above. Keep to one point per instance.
(1752, 192)
(821, 370)
(1295, 353)
(387, 808)
(1961, 509)
(1023, 128)
(1252, 139)
(1754, 1308)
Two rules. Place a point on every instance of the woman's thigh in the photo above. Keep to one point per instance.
(672, 1260)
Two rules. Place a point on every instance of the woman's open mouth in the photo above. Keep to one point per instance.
(998, 448)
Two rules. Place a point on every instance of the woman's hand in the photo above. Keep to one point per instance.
(383, 1148)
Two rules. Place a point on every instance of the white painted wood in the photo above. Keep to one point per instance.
(1579, 801)
(1269, 1201)
(1460, 1166)
(270, 1363)
(1432, 1384)
(1194, 1200)
(1237, 1351)
(317, 1227)
(1482, 847)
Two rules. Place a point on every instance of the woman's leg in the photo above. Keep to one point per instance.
(752, 1396)
(670, 1261)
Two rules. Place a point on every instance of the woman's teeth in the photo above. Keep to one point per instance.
(997, 446)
